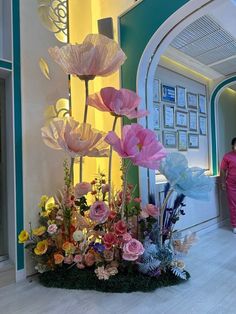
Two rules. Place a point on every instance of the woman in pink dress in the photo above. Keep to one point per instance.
(228, 181)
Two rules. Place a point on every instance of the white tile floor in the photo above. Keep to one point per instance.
(212, 289)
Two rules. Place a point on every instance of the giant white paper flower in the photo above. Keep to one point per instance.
(75, 139)
(98, 55)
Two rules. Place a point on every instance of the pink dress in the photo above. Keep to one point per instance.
(229, 165)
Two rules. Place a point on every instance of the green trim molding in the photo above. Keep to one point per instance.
(5, 64)
(213, 122)
(136, 29)
(18, 129)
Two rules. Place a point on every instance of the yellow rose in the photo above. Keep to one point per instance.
(41, 247)
(39, 231)
(68, 247)
(23, 236)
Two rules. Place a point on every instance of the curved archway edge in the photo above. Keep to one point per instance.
(213, 101)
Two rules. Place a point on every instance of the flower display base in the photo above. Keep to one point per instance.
(86, 279)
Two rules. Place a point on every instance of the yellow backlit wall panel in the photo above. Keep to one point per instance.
(83, 16)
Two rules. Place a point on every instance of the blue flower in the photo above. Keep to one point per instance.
(98, 247)
(184, 180)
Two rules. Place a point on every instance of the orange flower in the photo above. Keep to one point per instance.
(68, 247)
(58, 258)
(41, 247)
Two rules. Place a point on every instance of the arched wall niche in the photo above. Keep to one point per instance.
(152, 51)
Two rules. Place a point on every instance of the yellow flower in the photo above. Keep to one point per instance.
(39, 231)
(23, 236)
(41, 247)
(50, 204)
(68, 247)
(43, 200)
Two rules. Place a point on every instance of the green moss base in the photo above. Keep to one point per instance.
(86, 279)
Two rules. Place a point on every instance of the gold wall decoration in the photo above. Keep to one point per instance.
(44, 68)
(58, 110)
(53, 15)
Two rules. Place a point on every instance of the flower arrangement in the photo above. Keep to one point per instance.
(90, 226)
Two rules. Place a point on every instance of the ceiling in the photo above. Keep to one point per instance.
(209, 43)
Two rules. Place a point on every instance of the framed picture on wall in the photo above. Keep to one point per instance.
(193, 120)
(156, 90)
(182, 140)
(181, 119)
(169, 139)
(202, 104)
(156, 117)
(193, 140)
(168, 93)
(192, 100)
(168, 116)
(181, 97)
(202, 125)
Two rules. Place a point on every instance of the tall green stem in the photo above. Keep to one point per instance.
(110, 162)
(125, 182)
(86, 81)
(72, 171)
(162, 215)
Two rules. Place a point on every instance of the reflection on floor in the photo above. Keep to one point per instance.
(212, 264)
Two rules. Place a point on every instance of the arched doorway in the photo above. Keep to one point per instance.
(215, 96)
(159, 42)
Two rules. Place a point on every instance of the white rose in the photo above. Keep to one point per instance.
(78, 235)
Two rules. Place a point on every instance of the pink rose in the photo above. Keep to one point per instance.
(89, 259)
(82, 189)
(126, 237)
(105, 188)
(138, 199)
(109, 240)
(78, 258)
(68, 259)
(120, 227)
(150, 210)
(52, 229)
(80, 265)
(132, 250)
(99, 212)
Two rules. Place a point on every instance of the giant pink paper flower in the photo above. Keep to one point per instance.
(121, 102)
(74, 138)
(139, 145)
(97, 55)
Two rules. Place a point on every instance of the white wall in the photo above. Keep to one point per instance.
(197, 157)
(42, 166)
(199, 214)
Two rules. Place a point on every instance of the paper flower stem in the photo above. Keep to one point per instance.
(86, 81)
(162, 215)
(125, 183)
(110, 162)
(72, 171)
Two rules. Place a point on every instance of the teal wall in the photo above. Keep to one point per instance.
(18, 128)
(136, 29)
